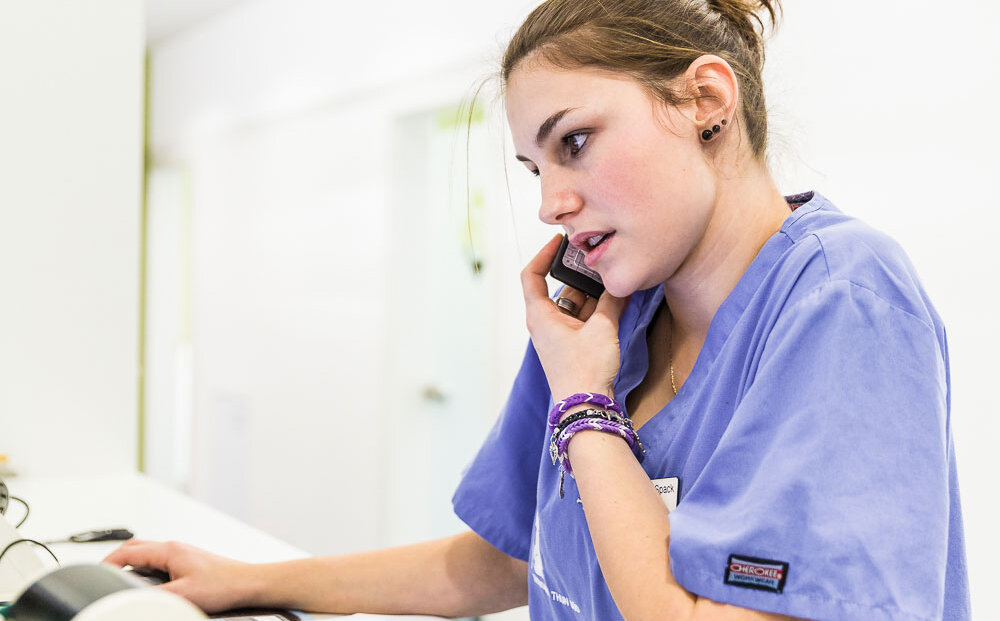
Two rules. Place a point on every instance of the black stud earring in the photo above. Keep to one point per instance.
(708, 133)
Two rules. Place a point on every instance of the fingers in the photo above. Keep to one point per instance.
(610, 307)
(536, 292)
(578, 299)
(533, 275)
(140, 554)
(588, 309)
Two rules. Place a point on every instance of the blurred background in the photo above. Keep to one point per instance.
(253, 249)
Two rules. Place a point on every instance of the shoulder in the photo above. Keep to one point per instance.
(828, 246)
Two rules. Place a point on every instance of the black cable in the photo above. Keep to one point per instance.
(38, 543)
(27, 510)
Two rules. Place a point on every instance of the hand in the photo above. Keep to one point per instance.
(578, 354)
(211, 582)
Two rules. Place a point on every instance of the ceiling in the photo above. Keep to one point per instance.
(165, 18)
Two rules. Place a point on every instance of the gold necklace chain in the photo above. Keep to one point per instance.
(670, 355)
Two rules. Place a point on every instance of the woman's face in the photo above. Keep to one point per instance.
(616, 168)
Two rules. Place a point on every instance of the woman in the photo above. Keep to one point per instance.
(787, 450)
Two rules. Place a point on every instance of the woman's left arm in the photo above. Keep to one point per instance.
(631, 533)
(627, 519)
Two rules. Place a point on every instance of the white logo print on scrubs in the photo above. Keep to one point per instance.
(536, 559)
(538, 573)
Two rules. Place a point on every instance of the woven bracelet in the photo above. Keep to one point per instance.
(560, 441)
(592, 419)
(585, 414)
(596, 424)
(592, 424)
(602, 401)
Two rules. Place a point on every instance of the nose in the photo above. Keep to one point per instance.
(559, 200)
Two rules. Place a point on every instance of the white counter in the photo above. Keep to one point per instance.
(61, 506)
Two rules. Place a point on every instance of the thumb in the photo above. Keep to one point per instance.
(177, 587)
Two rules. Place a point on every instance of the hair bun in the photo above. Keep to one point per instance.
(745, 17)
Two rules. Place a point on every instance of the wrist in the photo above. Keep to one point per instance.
(250, 585)
(560, 393)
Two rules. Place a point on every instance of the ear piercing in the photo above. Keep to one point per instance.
(708, 134)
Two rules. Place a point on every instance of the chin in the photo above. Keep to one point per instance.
(623, 285)
(618, 288)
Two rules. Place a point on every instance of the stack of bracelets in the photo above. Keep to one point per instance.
(611, 418)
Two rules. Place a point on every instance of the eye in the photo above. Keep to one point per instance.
(575, 142)
(529, 165)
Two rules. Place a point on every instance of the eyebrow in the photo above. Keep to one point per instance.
(546, 128)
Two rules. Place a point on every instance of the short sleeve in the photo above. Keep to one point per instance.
(827, 496)
(496, 496)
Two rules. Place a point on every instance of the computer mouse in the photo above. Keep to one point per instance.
(149, 575)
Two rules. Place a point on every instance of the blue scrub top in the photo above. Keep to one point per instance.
(812, 441)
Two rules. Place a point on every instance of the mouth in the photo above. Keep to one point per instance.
(591, 240)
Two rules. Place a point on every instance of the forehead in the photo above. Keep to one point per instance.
(536, 90)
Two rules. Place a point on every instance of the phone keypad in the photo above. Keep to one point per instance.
(573, 259)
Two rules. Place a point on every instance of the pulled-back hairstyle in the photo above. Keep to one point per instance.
(654, 42)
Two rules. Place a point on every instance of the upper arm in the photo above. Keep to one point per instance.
(833, 467)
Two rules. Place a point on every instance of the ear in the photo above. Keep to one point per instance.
(713, 84)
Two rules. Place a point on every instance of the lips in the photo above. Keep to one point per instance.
(591, 239)
(593, 244)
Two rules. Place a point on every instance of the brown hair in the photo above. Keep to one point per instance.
(654, 42)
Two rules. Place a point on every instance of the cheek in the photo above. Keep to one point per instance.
(660, 201)
(659, 188)
(626, 180)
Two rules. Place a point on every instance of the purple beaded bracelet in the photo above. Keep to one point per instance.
(593, 398)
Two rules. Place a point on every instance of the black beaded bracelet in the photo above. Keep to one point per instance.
(584, 414)
(623, 420)
(591, 413)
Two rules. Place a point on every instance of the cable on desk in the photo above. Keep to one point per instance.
(37, 543)
(27, 510)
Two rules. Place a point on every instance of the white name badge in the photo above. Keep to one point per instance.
(668, 491)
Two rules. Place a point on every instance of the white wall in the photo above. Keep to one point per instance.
(268, 58)
(287, 134)
(884, 107)
(71, 105)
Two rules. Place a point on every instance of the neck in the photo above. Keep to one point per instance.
(748, 210)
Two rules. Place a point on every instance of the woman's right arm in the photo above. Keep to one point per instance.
(458, 576)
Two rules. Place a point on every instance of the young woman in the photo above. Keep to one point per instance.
(784, 448)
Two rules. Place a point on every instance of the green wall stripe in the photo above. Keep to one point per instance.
(143, 243)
